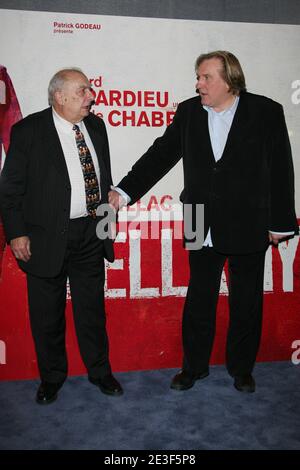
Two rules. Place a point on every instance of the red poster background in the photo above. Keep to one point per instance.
(144, 333)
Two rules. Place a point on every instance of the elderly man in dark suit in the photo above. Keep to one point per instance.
(56, 174)
(237, 162)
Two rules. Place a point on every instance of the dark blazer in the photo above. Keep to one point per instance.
(35, 190)
(248, 192)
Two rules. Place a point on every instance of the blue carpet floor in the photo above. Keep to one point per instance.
(150, 416)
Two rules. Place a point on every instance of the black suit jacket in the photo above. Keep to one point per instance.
(35, 190)
(248, 192)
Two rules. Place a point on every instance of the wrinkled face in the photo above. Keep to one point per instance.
(212, 88)
(74, 100)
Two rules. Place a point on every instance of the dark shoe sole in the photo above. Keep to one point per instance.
(111, 394)
(245, 389)
(46, 402)
(104, 390)
(181, 387)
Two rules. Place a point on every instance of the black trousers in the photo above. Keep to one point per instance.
(84, 266)
(246, 276)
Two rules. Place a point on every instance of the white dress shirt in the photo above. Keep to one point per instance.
(67, 139)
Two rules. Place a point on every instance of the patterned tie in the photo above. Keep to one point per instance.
(89, 174)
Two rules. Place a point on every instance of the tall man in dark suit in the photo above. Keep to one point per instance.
(237, 162)
(57, 172)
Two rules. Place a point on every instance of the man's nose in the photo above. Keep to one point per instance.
(199, 83)
(90, 94)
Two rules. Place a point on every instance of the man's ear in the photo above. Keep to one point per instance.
(59, 97)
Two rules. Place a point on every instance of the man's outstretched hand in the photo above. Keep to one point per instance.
(116, 200)
(275, 239)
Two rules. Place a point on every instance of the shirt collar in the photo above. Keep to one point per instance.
(230, 110)
(63, 124)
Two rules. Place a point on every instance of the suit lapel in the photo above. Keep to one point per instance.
(200, 129)
(206, 138)
(55, 152)
(54, 148)
(238, 128)
(95, 135)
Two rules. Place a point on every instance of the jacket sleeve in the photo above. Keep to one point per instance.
(282, 192)
(13, 183)
(156, 162)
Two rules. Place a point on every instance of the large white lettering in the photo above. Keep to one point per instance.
(136, 291)
(287, 251)
(167, 288)
(136, 271)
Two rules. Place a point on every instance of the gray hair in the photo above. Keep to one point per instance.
(58, 80)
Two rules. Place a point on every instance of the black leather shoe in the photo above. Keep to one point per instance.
(244, 383)
(184, 380)
(108, 385)
(47, 392)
